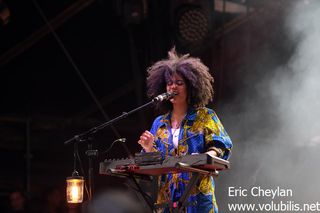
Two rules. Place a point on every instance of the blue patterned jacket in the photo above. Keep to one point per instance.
(200, 131)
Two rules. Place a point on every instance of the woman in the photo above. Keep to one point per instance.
(187, 127)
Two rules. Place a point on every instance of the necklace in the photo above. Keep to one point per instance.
(175, 135)
(175, 127)
(176, 124)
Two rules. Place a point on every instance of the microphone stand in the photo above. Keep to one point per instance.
(91, 154)
(87, 136)
(94, 130)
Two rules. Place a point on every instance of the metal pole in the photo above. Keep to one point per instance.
(28, 158)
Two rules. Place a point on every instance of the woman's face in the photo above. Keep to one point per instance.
(178, 85)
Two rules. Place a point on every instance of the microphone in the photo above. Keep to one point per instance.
(165, 96)
(123, 140)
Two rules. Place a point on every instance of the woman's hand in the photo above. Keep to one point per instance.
(212, 153)
(146, 141)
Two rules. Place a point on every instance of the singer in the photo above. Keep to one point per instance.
(185, 127)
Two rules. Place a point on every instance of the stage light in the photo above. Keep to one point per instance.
(193, 25)
(192, 22)
(75, 185)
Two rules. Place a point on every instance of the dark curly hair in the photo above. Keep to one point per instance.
(196, 75)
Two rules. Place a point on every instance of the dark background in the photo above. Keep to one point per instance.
(67, 66)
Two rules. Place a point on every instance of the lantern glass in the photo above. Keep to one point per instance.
(75, 186)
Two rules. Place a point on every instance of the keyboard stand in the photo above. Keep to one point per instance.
(183, 201)
(198, 165)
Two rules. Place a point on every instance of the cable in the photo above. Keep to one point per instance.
(87, 86)
(67, 54)
(123, 140)
(82, 171)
